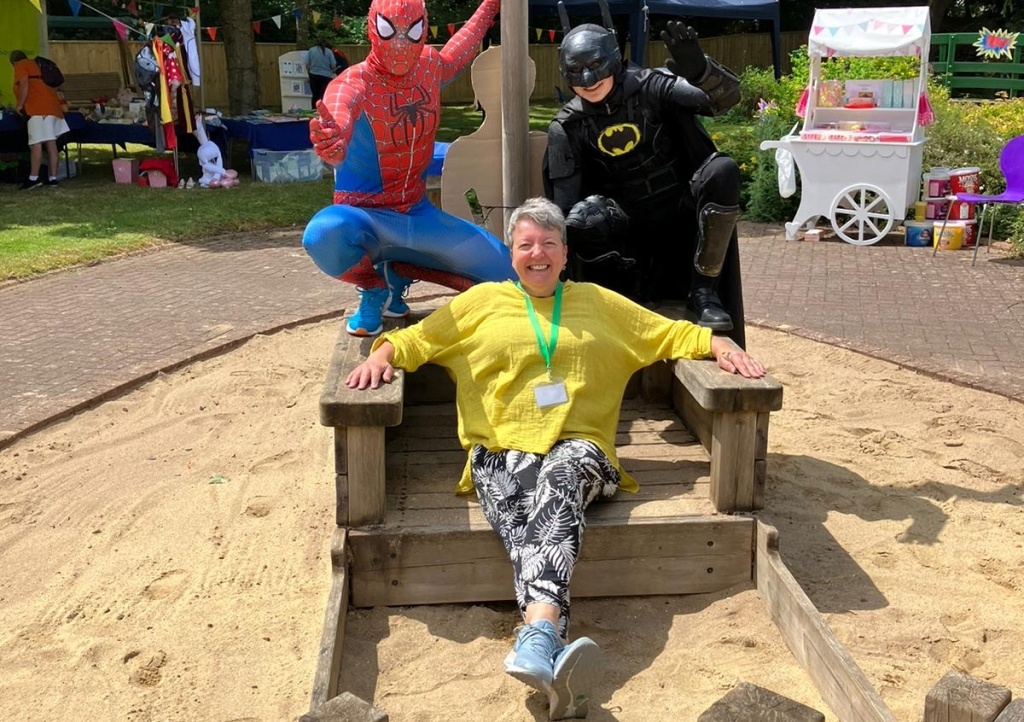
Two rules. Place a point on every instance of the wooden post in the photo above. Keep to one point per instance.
(1014, 712)
(515, 150)
(958, 697)
(751, 703)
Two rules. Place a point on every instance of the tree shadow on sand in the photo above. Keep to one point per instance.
(803, 491)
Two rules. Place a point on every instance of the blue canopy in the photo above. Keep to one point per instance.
(639, 9)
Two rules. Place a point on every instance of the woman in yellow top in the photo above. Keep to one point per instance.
(540, 369)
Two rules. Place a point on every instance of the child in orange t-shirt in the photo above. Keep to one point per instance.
(46, 123)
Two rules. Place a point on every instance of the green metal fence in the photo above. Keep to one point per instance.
(966, 77)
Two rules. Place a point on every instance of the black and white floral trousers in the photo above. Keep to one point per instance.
(536, 503)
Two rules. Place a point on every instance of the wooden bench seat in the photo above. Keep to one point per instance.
(726, 413)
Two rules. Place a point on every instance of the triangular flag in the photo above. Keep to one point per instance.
(212, 32)
(551, 35)
(121, 28)
(907, 29)
(817, 29)
(337, 23)
(433, 31)
(451, 28)
(193, 12)
(36, 4)
(296, 13)
(316, 16)
(256, 26)
(539, 31)
(75, 7)
(277, 21)
(149, 29)
(133, 9)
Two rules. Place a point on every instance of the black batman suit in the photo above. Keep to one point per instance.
(644, 147)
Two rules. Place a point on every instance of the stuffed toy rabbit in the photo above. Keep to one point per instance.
(214, 174)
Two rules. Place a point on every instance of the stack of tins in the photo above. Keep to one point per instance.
(938, 199)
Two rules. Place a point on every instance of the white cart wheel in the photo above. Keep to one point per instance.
(862, 214)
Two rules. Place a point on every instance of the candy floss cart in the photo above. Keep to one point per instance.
(859, 152)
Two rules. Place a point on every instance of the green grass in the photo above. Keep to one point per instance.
(90, 217)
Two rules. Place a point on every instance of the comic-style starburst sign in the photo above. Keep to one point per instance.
(995, 44)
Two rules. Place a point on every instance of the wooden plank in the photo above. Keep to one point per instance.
(1014, 712)
(655, 556)
(733, 440)
(840, 682)
(342, 406)
(717, 390)
(366, 488)
(656, 382)
(750, 703)
(328, 666)
(959, 697)
(697, 418)
(340, 476)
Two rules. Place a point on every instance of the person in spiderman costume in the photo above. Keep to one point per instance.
(651, 205)
(376, 125)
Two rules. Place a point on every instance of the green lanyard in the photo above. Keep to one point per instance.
(547, 349)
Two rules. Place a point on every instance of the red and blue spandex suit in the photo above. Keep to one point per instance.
(377, 125)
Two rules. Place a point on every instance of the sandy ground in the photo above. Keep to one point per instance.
(165, 556)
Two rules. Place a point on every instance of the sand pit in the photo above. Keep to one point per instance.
(165, 556)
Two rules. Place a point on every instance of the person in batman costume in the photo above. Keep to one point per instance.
(651, 203)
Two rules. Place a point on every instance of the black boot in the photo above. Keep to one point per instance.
(705, 309)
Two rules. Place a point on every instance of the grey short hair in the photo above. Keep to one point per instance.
(540, 211)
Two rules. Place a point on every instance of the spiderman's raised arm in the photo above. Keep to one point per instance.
(331, 131)
(461, 49)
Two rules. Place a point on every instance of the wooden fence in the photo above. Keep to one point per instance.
(89, 56)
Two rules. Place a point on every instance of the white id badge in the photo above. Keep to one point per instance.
(551, 393)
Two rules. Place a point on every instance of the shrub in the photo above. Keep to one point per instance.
(761, 198)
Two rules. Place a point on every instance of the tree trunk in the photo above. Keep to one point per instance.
(240, 54)
(302, 25)
(938, 9)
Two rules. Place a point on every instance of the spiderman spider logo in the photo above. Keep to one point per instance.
(412, 117)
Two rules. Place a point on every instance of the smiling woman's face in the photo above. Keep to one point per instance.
(538, 257)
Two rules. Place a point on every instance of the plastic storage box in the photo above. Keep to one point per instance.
(286, 166)
(126, 170)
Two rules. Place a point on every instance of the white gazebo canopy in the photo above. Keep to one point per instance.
(869, 31)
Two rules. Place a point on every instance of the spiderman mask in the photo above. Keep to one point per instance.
(397, 30)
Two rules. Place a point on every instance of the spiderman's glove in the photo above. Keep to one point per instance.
(687, 59)
(328, 140)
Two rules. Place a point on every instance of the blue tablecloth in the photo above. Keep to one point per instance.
(294, 135)
(14, 136)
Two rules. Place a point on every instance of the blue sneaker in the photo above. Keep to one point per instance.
(577, 665)
(398, 285)
(367, 321)
(531, 658)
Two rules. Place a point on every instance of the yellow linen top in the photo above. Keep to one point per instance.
(485, 340)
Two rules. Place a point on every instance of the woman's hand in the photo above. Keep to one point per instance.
(735, 360)
(376, 369)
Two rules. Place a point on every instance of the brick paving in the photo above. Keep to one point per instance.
(69, 339)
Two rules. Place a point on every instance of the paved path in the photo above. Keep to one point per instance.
(71, 338)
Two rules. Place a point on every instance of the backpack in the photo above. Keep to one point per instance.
(49, 72)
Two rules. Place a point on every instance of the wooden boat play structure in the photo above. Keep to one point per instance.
(695, 438)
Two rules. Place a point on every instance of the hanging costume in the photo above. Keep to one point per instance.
(377, 125)
(650, 203)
